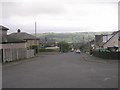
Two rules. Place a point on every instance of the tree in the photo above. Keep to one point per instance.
(64, 46)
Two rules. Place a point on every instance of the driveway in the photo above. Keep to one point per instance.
(66, 70)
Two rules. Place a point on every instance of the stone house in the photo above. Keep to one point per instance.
(113, 42)
(101, 39)
(10, 47)
(28, 38)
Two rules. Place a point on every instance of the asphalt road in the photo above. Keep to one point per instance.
(68, 70)
(0, 76)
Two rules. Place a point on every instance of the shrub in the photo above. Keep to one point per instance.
(64, 46)
(48, 50)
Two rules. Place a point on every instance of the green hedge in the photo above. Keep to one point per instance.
(107, 55)
(64, 46)
(48, 50)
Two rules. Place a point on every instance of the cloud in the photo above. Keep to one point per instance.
(30, 8)
(61, 15)
(0, 13)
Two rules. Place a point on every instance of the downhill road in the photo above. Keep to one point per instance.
(66, 70)
(0, 76)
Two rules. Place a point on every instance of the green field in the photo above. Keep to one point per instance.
(72, 37)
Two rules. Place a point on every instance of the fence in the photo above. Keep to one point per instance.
(1, 56)
(30, 53)
(107, 55)
(7, 55)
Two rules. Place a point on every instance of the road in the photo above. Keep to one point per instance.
(66, 70)
(0, 76)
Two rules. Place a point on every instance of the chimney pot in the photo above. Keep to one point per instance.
(19, 31)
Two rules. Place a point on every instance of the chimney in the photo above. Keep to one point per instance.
(18, 31)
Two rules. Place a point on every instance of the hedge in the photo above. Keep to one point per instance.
(107, 55)
(48, 50)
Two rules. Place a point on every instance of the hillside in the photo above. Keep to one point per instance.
(72, 37)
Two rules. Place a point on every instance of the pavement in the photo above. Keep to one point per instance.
(62, 70)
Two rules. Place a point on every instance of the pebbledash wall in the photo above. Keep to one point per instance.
(14, 51)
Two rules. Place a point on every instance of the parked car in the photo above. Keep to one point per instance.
(78, 51)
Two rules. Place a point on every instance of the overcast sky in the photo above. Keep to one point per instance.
(60, 15)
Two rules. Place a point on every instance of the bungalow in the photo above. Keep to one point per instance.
(114, 42)
(111, 45)
(10, 47)
(28, 38)
(101, 39)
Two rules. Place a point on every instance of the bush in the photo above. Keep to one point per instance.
(64, 46)
(48, 50)
(107, 55)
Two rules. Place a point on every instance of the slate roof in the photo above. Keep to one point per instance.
(23, 36)
(3, 28)
(98, 37)
(114, 33)
(8, 39)
(99, 40)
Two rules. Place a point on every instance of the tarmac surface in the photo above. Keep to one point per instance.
(61, 70)
(0, 76)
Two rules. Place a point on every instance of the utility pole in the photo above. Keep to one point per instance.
(35, 30)
(36, 37)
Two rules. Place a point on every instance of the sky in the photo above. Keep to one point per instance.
(59, 16)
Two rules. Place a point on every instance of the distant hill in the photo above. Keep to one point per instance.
(72, 37)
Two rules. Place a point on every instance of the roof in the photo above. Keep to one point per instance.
(23, 36)
(9, 39)
(99, 39)
(3, 28)
(114, 33)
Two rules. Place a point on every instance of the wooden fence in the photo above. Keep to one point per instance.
(30, 53)
(7, 55)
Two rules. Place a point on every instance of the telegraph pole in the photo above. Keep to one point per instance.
(35, 30)
(36, 37)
